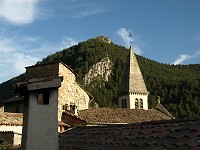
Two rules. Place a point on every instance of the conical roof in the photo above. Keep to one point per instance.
(132, 79)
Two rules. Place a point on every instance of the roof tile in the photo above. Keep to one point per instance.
(120, 115)
(171, 134)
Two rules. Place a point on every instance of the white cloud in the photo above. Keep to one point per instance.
(19, 11)
(19, 51)
(184, 57)
(6, 45)
(89, 11)
(137, 49)
(78, 9)
(196, 38)
(67, 42)
(181, 59)
(125, 35)
(20, 61)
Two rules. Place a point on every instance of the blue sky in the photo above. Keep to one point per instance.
(167, 31)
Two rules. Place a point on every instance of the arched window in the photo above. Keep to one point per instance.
(136, 104)
(141, 104)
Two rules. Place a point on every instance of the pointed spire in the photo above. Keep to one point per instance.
(132, 80)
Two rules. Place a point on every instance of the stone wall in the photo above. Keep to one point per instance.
(70, 92)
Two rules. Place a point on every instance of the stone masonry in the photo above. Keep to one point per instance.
(70, 92)
(133, 93)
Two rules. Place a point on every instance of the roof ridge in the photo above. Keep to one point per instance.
(161, 108)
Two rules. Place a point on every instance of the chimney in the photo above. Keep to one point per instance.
(40, 121)
(73, 109)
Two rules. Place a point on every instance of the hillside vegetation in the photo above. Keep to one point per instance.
(177, 85)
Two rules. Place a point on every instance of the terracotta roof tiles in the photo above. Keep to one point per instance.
(11, 119)
(167, 134)
(120, 115)
(16, 119)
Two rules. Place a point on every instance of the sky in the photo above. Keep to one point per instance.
(167, 31)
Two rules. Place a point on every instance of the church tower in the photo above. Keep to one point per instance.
(133, 93)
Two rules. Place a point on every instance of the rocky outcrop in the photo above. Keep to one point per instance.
(101, 70)
(103, 39)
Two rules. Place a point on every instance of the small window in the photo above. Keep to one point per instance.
(141, 104)
(43, 97)
(136, 104)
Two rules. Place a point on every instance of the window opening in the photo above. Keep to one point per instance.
(141, 104)
(43, 97)
(136, 104)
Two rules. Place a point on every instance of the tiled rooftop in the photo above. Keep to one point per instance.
(120, 115)
(14, 99)
(166, 134)
(17, 119)
(11, 119)
(132, 79)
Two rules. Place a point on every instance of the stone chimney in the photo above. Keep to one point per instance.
(40, 121)
(73, 108)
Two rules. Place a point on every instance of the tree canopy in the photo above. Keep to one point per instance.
(177, 85)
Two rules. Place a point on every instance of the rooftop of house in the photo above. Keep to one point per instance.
(165, 134)
(14, 99)
(15, 119)
(52, 63)
(120, 115)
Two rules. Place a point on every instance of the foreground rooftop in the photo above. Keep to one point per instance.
(165, 134)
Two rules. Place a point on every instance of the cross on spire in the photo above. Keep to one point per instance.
(130, 37)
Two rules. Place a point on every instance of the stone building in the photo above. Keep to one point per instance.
(133, 93)
(71, 95)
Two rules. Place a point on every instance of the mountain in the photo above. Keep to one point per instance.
(99, 64)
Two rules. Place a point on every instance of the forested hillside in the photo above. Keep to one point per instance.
(177, 85)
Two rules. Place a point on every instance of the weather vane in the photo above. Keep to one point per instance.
(130, 38)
